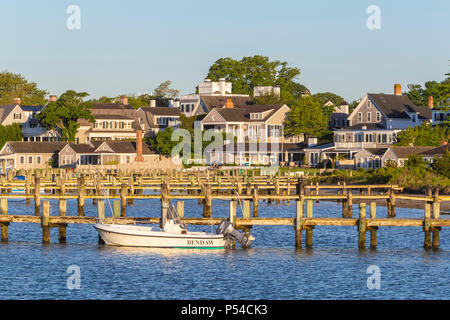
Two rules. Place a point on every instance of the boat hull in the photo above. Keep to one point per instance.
(141, 236)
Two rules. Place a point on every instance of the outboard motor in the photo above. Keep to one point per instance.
(226, 228)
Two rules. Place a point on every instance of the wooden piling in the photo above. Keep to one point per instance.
(4, 225)
(309, 230)
(123, 201)
(180, 209)
(373, 230)
(45, 222)
(362, 226)
(436, 215)
(427, 226)
(116, 208)
(81, 196)
(101, 216)
(37, 196)
(232, 218)
(62, 213)
(255, 201)
(207, 203)
(344, 204)
(350, 203)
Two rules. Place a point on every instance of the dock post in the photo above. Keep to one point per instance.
(344, 204)
(373, 230)
(436, 215)
(81, 195)
(27, 186)
(309, 230)
(123, 200)
(299, 222)
(4, 225)
(300, 207)
(45, 222)
(232, 214)
(62, 213)
(255, 200)
(37, 196)
(362, 226)
(180, 209)
(131, 184)
(165, 201)
(392, 201)
(350, 203)
(101, 216)
(427, 226)
(116, 209)
(207, 203)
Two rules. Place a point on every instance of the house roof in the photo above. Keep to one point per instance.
(162, 111)
(32, 108)
(36, 147)
(219, 101)
(113, 116)
(397, 106)
(100, 106)
(242, 114)
(376, 151)
(122, 146)
(258, 147)
(403, 152)
(437, 151)
(369, 126)
(5, 110)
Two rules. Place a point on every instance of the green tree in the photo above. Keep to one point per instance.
(439, 90)
(423, 135)
(16, 86)
(442, 165)
(249, 72)
(162, 143)
(63, 114)
(306, 117)
(12, 132)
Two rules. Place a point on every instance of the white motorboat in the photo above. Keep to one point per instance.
(174, 234)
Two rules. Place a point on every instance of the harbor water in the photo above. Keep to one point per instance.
(272, 269)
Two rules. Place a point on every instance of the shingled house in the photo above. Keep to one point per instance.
(29, 155)
(390, 111)
(154, 119)
(113, 121)
(102, 153)
(250, 123)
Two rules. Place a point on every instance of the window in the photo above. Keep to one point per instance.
(17, 116)
(369, 138)
(30, 159)
(368, 104)
(359, 116)
(378, 116)
(22, 159)
(128, 159)
(369, 116)
(38, 159)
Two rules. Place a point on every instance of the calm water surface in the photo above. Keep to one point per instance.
(272, 269)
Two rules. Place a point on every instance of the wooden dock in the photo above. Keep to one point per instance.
(207, 185)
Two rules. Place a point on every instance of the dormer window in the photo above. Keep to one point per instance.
(256, 116)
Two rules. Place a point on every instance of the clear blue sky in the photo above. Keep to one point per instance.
(132, 46)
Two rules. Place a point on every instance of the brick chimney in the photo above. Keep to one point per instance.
(229, 104)
(17, 101)
(139, 157)
(397, 89)
(124, 100)
(52, 98)
(430, 102)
